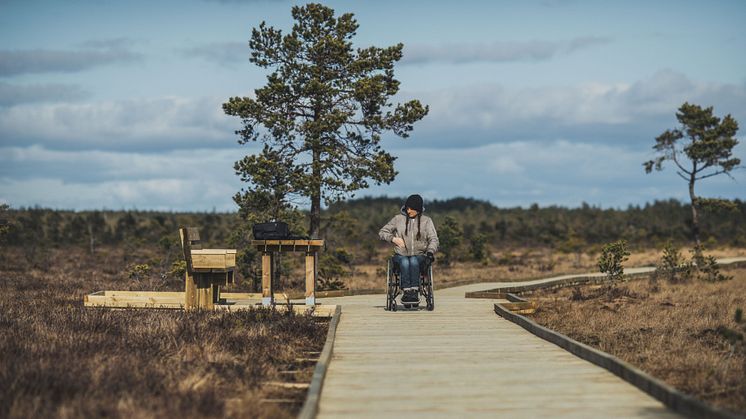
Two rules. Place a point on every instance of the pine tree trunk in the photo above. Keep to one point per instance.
(695, 215)
(316, 195)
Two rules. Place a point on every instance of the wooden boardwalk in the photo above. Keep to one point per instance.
(464, 361)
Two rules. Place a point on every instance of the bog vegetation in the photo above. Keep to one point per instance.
(470, 231)
(60, 359)
(686, 331)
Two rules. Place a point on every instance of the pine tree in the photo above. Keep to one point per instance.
(322, 113)
(707, 143)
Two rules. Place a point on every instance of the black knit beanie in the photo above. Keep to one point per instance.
(414, 202)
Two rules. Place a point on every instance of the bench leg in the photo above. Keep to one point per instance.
(267, 292)
(190, 292)
(311, 278)
(216, 294)
(204, 292)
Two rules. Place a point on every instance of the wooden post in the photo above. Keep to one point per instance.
(190, 292)
(267, 292)
(204, 292)
(216, 293)
(191, 300)
(311, 258)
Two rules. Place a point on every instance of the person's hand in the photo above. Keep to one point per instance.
(398, 241)
(431, 256)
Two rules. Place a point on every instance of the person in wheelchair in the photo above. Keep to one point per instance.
(415, 240)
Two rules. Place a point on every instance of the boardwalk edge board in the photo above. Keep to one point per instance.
(580, 279)
(577, 279)
(674, 399)
(311, 405)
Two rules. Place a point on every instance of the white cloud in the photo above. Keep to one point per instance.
(181, 180)
(15, 94)
(225, 53)
(497, 52)
(155, 194)
(92, 54)
(591, 112)
(136, 124)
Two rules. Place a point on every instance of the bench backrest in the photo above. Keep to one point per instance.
(189, 240)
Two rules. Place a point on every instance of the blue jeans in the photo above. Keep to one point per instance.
(409, 270)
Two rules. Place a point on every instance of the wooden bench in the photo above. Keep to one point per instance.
(206, 271)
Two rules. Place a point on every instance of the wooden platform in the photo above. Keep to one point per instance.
(175, 300)
(462, 360)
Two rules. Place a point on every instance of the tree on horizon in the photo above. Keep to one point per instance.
(701, 148)
(321, 115)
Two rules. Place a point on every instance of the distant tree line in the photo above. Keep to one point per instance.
(354, 224)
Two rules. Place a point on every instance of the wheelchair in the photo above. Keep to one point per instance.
(393, 288)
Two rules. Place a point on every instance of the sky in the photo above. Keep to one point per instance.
(117, 104)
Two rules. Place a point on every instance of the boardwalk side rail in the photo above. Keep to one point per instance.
(311, 405)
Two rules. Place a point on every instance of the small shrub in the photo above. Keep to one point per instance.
(706, 266)
(450, 235)
(673, 266)
(613, 255)
(710, 272)
(178, 268)
(138, 272)
(477, 247)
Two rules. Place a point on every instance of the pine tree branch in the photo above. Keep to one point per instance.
(713, 174)
(675, 160)
(682, 176)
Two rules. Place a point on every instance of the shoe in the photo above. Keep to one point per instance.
(410, 297)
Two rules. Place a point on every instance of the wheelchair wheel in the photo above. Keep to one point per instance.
(388, 286)
(391, 287)
(430, 297)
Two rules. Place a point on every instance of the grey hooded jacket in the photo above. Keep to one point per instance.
(428, 241)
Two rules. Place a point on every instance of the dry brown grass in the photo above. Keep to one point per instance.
(513, 265)
(59, 359)
(673, 333)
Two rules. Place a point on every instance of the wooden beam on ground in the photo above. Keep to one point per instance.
(526, 307)
(279, 296)
(134, 300)
(280, 401)
(491, 294)
(175, 300)
(319, 310)
(292, 386)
